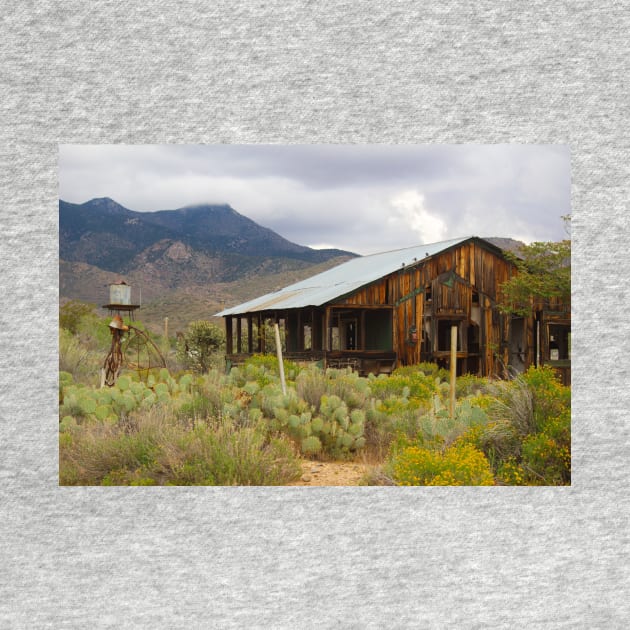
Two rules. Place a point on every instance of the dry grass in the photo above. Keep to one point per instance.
(153, 448)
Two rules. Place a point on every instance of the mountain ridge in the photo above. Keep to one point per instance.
(203, 250)
(104, 233)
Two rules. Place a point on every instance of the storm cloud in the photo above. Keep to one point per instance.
(362, 198)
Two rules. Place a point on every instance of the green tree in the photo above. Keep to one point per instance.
(72, 312)
(543, 272)
(197, 346)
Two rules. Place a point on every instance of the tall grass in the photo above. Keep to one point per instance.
(153, 448)
(79, 359)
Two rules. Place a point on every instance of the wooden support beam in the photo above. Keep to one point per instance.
(453, 369)
(250, 335)
(259, 340)
(362, 337)
(229, 340)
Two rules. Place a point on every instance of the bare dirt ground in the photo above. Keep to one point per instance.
(330, 474)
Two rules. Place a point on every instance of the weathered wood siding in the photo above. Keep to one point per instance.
(443, 287)
(458, 287)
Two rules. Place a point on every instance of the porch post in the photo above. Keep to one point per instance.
(362, 347)
(326, 339)
(259, 341)
(229, 341)
(250, 332)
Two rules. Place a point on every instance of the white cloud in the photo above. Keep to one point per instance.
(361, 198)
(409, 212)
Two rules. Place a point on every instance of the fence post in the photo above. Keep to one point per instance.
(453, 368)
(280, 363)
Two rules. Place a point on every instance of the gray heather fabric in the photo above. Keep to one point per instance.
(326, 72)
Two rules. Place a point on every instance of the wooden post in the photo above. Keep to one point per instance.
(166, 346)
(453, 368)
(239, 335)
(280, 363)
(229, 340)
(250, 340)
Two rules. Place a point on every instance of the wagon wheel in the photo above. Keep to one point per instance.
(140, 353)
(131, 348)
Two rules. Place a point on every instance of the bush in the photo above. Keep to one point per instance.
(470, 385)
(311, 385)
(408, 383)
(226, 455)
(459, 465)
(499, 441)
(514, 403)
(546, 456)
(77, 359)
(200, 345)
(154, 449)
(549, 397)
(72, 312)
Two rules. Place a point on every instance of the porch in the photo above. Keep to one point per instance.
(332, 336)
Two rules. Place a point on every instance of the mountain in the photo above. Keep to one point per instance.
(198, 250)
(101, 232)
(506, 244)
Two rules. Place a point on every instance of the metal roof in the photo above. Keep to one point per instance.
(342, 279)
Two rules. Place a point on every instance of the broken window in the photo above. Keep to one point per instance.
(559, 342)
(444, 334)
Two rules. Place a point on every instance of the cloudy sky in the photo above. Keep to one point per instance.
(362, 198)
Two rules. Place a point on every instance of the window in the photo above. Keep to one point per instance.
(444, 334)
(559, 345)
(348, 333)
(308, 337)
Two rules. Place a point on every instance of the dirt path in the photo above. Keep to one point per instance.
(330, 474)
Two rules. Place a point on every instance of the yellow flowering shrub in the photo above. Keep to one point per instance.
(511, 473)
(458, 465)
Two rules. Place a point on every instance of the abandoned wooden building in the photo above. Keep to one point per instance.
(397, 308)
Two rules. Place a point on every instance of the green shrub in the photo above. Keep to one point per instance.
(546, 456)
(72, 312)
(311, 445)
(199, 409)
(469, 385)
(268, 363)
(407, 383)
(514, 403)
(499, 441)
(227, 455)
(200, 345)
(311, 384)
(76, 359)
(550, 398)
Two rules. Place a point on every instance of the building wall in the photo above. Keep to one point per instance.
(459, 287)
(415, 307)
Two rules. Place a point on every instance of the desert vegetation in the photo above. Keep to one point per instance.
(195, 424)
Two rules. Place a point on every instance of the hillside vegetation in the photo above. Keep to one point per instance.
(178, 426)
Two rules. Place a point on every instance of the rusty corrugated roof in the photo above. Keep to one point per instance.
(341, 280)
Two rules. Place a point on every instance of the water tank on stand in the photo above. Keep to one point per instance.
(120, 293)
